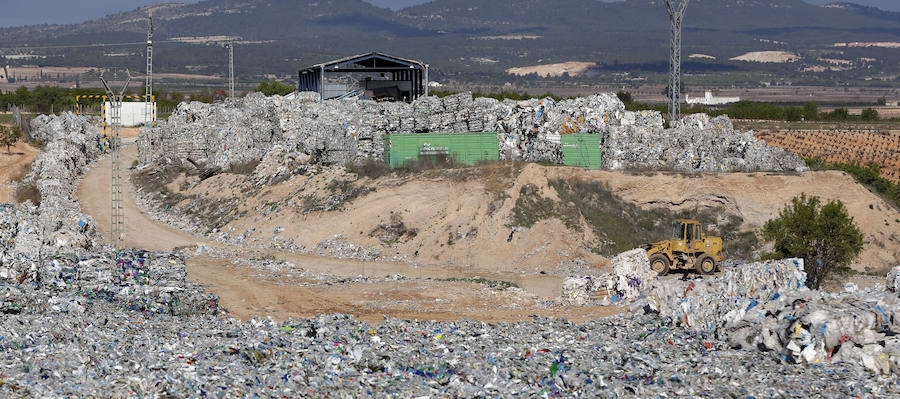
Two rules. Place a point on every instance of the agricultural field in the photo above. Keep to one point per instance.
(842, 143)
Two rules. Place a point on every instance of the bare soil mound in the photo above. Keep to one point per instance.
(505, 217)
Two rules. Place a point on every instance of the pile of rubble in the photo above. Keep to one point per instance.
(343, 131)
(630, 277)
(697, 143)
(56, 225)
(767, 306)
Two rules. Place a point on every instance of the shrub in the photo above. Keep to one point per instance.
(869, 114)
(825, 236)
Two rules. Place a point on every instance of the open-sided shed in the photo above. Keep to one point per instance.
(408, 78)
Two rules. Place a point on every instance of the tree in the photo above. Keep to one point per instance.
(869, 114)
(839, 114)
(9, 136)
(826, 237)
(625, 97)
(665, 91)
(811, 111)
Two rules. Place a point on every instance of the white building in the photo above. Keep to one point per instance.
(709, 99)
(133, 113)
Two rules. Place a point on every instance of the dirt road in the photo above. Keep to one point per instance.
(11, 165)
(247, 295)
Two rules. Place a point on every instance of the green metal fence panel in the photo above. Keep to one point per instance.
(467, 148)
(583, 150)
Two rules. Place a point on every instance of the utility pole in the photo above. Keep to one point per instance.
(230, 46)
(676, 10)
(148, 84)
(117, 224)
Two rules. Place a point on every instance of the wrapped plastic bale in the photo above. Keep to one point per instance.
(577, 290)
(893, 279)
(632, 273)
(631, 279)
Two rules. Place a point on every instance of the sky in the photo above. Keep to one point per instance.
(31, 12)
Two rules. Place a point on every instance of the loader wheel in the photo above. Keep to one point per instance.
(659, 264)
(706, 265)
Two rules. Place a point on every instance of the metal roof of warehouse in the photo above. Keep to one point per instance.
(367, 61)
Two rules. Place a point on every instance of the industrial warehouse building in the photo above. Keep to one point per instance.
(373, 75)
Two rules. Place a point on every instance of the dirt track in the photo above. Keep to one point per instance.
(248, 295)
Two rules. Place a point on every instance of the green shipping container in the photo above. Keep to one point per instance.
(467, 148)
(582, 150)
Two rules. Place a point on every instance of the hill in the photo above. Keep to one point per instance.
(476, 40)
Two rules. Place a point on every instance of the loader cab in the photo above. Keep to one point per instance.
(687, 231)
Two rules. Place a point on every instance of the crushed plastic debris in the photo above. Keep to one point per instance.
(85, 321)
(893, 279)
(766, 305)
(344, 131)
(631, 277)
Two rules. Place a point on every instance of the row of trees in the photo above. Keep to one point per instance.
(757, 110)
(47, 98)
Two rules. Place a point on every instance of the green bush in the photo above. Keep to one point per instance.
(825, 236)
(275, 87)
(869, 114)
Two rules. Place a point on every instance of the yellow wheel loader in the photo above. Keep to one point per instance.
(690, 249)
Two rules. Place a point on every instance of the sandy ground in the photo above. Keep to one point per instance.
(245, 294)
(777, 57)
(573, 68)
(11, 166)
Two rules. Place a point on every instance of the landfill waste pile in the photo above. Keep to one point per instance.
(242, 130)
(72, 142)
(85, 322)
(236, 131)
(631, 276)
(767, 306)
(104, 349)
(697, 143)
(134, 281)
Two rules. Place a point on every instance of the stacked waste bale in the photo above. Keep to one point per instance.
(697, 143)
(72, 143)
(630, 278)
(234, 132)
(350, 130)
(135, 281)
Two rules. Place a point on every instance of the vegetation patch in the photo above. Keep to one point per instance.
(532, 207)
(621, 225)
(393, 231)
(341, 192)
(868, 175)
